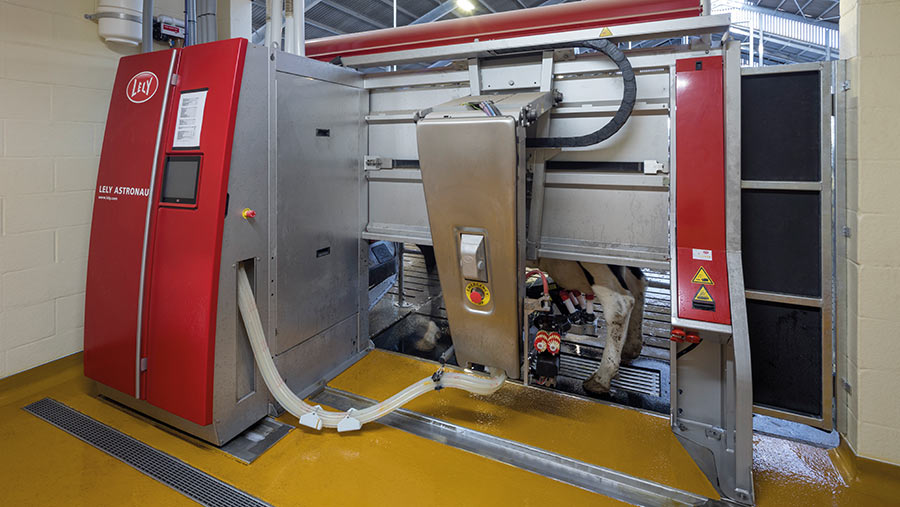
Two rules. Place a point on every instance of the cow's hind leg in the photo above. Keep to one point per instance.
(634, 339)
(617, 307)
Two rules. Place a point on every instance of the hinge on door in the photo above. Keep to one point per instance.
(845, 85)
(174, 79)
(846, 231)
(143, 364)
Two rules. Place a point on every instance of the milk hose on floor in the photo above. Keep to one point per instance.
(315, 416)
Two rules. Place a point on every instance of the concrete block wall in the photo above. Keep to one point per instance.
(56, 76)
(869, 365)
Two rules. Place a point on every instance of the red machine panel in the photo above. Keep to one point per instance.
(503, 25)
(702, 271)
(120, 211)
(186, 240)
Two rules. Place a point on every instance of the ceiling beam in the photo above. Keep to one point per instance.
(354, 14)
(437, 13)
(486, 6)
(320, 26)
(782, 14)
(826, 11)
(390, 4)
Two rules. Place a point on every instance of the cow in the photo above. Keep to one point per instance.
(620, 291)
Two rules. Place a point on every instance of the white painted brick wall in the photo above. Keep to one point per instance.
(872, 361)
(55, 81)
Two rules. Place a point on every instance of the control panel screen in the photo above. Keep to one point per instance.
(179, 184)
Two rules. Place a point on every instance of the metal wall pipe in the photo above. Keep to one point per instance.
(277, 24)
(300, 27)
(190, 22)
(207, 31)
(147, 27)
(289, 26)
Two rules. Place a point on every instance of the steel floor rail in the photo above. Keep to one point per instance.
(567, 470)
(178, 475)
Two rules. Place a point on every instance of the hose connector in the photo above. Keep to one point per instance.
(312, 419)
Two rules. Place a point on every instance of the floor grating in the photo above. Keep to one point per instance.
(178, 475)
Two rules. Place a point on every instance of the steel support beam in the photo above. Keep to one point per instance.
(437, 13)
(324, 27)
(354, 14)
(406, 12)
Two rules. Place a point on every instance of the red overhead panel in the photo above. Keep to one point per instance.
(503, 25)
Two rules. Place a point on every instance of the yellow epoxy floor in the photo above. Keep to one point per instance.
(42, 465)
(626, 440)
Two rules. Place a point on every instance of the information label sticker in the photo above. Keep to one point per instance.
(189, 122)
(702, 255)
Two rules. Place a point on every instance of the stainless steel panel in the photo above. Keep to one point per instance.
(510, 73)
(316, 361)
(474, 182)
(319, 161)
(643, 137)
(393, 140)
(239, 398)
(630, 218)
(397, 201)
(288, 63)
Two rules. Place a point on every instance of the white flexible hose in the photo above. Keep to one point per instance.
(329, 419)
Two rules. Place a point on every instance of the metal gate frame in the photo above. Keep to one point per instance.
(828, 193)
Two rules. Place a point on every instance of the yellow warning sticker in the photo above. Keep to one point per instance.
(703, 296)
(702, 277)
(606, 32)
(478, 294)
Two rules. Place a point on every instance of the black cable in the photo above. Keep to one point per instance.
(687, 349)
(617, 121)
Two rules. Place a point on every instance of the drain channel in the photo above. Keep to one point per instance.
(178, 475)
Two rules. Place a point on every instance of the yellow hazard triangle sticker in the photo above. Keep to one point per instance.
(606, 32)
(702, 277)
(703, 296)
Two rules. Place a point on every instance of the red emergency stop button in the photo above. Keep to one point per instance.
(248, 213)
(478, 293)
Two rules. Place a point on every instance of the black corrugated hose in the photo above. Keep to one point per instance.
(617, 121)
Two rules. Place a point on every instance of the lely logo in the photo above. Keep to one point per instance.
(142, 87)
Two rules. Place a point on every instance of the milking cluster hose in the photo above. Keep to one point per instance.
(316, 417)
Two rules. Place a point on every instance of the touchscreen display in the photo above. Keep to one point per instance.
(180, 180)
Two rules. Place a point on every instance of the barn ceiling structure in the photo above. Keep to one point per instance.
(772, 31)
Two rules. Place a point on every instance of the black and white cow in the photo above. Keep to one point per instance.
(620, 291)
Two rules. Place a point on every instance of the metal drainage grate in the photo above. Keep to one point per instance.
(178, 475)
(630, 378)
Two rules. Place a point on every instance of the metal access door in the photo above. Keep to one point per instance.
(788, 238)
